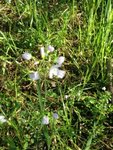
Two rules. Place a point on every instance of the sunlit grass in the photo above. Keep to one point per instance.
(70, 107)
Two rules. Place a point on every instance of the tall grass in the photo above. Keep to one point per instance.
(82, 32)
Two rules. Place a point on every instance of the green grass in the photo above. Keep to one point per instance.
(82, 32)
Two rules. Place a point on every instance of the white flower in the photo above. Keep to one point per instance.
(55, 71)
(2, 119)
(60, 60)
(50, 48)
(45, 120)
(104, 88)
(26, 56)
(61, 73)
(55, 116)
(66, 96)
(42, 52)
(36, 63)
(34, 76)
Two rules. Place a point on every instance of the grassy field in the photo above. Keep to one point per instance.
(56, 75)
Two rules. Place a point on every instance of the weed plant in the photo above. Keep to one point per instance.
(73, 108)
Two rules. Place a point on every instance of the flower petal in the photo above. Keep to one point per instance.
(26, 56)
(45, 120)
(50, 48)
(55, 116)
(34, 76)
(60, 60)
(53, 71)
(2, 119)
(61, 74)
(42, 52)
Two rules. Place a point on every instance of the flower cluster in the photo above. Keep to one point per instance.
(54, 70)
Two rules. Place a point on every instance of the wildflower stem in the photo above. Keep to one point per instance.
(39, 96)
(45, 85)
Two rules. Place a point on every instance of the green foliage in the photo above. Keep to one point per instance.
(82, 32)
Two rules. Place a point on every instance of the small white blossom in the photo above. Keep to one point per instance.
(36, 63)
(42, 52)
(34, 76)
(45, 120)
(61, 73)
(50, 48)
(55, 116)
(104, 88)
(26, 56)
(2, 119)
(66, 96)
(60, 60)
(55, 71)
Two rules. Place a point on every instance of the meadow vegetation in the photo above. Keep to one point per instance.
(72, 108)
